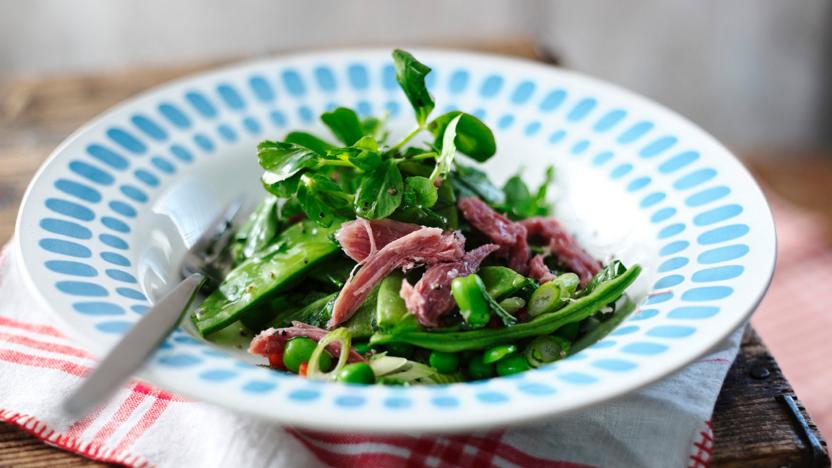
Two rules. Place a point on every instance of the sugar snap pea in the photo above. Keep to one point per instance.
(295, 251)
(545, 324)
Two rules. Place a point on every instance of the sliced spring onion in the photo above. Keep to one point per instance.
(340, 335)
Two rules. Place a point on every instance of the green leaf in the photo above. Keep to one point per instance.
(470, 182)
(283, 160)
(421, 216)
(445, 160)
(344, 124)
(283, 188)
(420, 191)
(410, 73)
(363, 154)
(310, 141)
(520, 203)
(380, 192)
(473, 137)
(518, 199)
(322, 199)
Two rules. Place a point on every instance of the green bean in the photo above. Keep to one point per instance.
(554, 294)
(546, 349)
(544, 299)
(295, 251)
(469, 294)
(512, 304)
(544, 324)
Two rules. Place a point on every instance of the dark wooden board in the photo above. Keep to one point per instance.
(751, 422)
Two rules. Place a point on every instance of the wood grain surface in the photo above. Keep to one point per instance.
(751, 422)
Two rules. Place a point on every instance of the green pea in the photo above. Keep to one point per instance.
(299, 350)
(512, 364)
(469, 294)
(497, 353)
(400, 350)
(477, 369)
(544, 299)
(444, 363)
(356, 373)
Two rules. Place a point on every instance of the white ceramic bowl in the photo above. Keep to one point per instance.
(107, 218)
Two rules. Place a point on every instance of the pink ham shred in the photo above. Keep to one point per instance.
(361, 238)
(425, 246)
(430, 298)
(510, 236)
(563, 246)
(539, 271)
(274, 340)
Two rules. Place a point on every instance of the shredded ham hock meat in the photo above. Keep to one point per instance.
(510, 236)
(361, 238)
(539, 271)
(430, 298)
(425, 246)
(563, 246)
(274, 340)
(513, 239)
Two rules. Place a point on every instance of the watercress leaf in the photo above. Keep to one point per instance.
(365, 160)
(344, 124)
(283, 160)
(380, 192)
(410, 73)
(363, 154)
(310, 141)
(521, 203)
(322, 199)
(470, 182)
(473, 137)
(285, 188)
(445, 160)
(421, 216)
(366, 143)
(420, 191)
(518, 200)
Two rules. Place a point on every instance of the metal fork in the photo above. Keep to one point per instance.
(202, 263)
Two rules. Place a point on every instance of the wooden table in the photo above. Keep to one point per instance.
(758, 419)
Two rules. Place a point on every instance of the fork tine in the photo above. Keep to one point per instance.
(219, 230)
